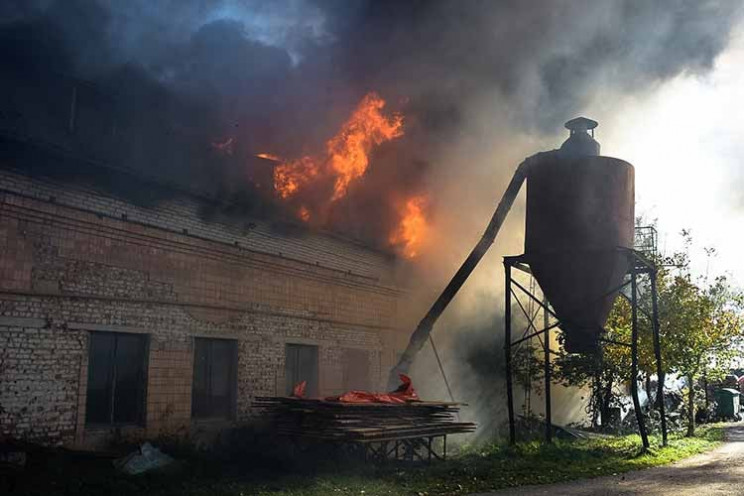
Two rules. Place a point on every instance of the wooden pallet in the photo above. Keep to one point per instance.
(383, 430)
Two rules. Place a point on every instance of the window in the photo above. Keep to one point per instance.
(116, 378)
(215, 378)
(301, 365)
(356, 370)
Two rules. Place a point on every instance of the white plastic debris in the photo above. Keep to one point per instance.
(146, 459)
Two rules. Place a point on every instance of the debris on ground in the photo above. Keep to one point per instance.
(147, 458)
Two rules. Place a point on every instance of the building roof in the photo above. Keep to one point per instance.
(80, 147)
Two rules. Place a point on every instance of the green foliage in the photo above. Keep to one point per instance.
(702, 327)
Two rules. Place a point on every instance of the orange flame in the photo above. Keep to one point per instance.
(290, 177)
(411, 232)
(345, 161)
(304, 213)
(349, 150)
(347, 153)
(269, 156)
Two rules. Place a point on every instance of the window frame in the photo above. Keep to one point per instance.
(289, 382)
(143, 371)
(232, 386)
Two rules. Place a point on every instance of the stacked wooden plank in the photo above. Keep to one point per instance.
(361, 422)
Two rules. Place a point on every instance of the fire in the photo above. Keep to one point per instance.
(291, 177)
(347, 153)
(312, 184)
(269, 156)
(412, 229)
(304, 213)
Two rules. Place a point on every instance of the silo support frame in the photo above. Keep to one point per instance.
(638, 265)
(519, 264)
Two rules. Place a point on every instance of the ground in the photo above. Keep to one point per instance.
(239, 471)
(718, 472)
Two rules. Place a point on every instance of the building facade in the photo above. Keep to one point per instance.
(123, 320)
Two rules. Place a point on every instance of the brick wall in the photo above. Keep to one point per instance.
(39, 388)
(75, 261)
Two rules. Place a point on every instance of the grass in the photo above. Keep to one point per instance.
(472, 470)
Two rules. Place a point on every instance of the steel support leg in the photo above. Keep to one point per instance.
(548, 406)
(508, 353)
(634, 361)
(657, 351)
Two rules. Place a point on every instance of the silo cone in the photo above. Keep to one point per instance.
(580, 211)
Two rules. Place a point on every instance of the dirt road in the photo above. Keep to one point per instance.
(717, 473)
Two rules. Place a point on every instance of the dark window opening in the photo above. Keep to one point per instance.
(356, 370)
(301, 365)
(215, 378)
(117, 375)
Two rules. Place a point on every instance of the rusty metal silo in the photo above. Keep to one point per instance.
(580, 215)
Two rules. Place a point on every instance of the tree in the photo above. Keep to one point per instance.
(702, 328)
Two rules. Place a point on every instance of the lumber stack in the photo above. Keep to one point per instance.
(361, 422)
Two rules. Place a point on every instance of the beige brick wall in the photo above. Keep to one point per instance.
(39, 388)
(71, 270)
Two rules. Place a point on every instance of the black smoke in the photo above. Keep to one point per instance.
(544, 57)
(281, 76)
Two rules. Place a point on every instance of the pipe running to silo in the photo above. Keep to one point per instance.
(424, 328)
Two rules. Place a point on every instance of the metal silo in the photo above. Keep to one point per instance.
(580, 211)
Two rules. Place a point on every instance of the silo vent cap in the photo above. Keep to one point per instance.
(580, 142)
(581, 124)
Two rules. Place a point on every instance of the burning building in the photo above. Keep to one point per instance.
(179, 219)
(130, 307)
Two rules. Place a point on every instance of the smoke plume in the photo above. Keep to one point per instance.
(281, 76)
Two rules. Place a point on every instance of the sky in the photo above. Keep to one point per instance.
(686, 141)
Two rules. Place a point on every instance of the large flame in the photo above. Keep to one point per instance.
(344, 162)
(347, 153)
(412, 229)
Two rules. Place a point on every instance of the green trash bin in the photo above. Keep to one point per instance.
(727, 401)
